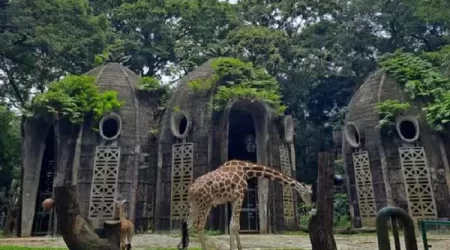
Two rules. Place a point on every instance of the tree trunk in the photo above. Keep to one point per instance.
(76, 232)
(321, 224)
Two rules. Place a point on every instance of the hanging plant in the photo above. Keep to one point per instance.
(423, 80)
(235, 79)
(75, 98)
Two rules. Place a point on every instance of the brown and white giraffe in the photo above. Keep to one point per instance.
(228, 183)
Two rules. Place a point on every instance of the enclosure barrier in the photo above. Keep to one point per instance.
(395, 213)
(423, 228)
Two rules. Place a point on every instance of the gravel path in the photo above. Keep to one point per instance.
(249, 242)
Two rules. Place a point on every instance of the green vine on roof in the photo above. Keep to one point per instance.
(388, 110)
(235, 79)
(423, 80)
(153, 86)
(75, 98)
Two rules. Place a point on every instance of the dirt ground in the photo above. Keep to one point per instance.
(249, 242)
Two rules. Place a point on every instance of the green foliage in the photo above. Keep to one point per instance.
(201, 85)
(339, 167)
(423, 81)
(75, 98)
(262, 45)
(10, 147)
(235, 79)
(148, 83)
(388, 110)
(341, 213)
(153, 86)
(45, 39)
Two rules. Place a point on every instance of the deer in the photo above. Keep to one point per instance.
(126, 227)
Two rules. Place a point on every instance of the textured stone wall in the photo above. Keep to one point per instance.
(361, 111)
(185, 100)
(386, 170)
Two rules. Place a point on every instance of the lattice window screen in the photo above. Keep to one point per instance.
(364, 187)
(421, 202)
(288, 201)
(104, 182)
(182, 175)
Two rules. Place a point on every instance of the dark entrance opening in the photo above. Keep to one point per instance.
(42, 223)
(242, 146)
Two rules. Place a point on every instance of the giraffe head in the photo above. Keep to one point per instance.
(305, 192)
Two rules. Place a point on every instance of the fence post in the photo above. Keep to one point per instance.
(321, 224)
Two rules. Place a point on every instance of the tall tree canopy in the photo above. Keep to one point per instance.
(319, 51)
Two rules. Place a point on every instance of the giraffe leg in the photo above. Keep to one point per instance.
(200, 225)
(234, 224)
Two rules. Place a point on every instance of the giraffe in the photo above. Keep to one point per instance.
(228, 183)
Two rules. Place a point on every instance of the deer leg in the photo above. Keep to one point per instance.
(200, 226)
(122, 240)
(235, 223)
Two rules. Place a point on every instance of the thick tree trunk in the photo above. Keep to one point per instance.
(76, 232)
(321, 224)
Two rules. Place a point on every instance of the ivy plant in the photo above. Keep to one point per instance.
(75, 98)
(235, 79)
(423, 80)
(388, 110)
(148, 83)
(153, 86)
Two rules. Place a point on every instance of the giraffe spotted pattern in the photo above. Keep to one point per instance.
(228, 184)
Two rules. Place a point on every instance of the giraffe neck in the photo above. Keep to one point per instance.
(256, 170)
(122, 213)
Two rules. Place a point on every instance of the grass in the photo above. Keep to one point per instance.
(49, 248)
(26, 248)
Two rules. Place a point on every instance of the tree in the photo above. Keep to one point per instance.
(9, 149)
(43, 40)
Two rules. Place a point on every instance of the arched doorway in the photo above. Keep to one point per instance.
(242, 146)
(42, 223)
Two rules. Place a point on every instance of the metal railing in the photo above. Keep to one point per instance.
(423, 228)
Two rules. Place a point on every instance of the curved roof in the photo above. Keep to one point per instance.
(114, 76)
(362, 108)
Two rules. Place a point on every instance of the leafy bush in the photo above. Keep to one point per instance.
(148, 83)
(424, 79)
(388, 110)
(75, 98)
(235, 79)
(10, 150)
(339, 167)
(341, 211)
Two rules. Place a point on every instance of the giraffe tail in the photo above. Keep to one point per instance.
(184, 236)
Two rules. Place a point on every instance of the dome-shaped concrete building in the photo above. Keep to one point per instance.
(150, 157)
(196, 139)
(406, 167)
(114, 162)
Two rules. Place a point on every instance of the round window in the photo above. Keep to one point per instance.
(180, 124)
(288, 127)
(408, 129)
(352, 135)
(110, 127)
